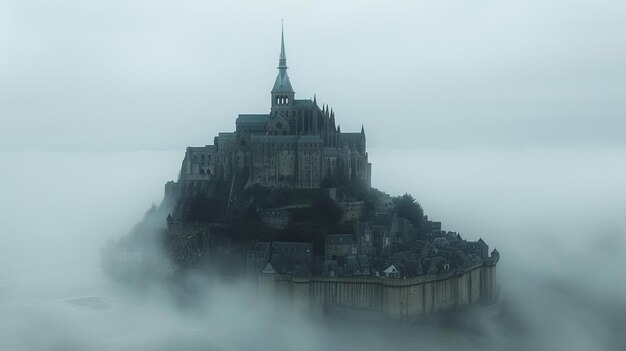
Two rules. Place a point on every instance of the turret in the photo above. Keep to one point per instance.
(495, 253)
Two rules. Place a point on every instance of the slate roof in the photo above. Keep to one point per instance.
(282, 83)
(303, 103)
(352, 139)
(252, 119)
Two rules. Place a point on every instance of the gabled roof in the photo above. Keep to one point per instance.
(268, 269)
(391, 269)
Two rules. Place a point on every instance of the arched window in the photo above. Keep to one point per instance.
(202, 158)
(195, 158)
(202, 172)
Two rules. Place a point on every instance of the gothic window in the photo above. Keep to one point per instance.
(202, 172)
(202, 158)
(195, 158)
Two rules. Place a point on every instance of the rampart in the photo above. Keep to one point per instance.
(395, 298)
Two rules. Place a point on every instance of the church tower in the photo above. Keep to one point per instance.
(282, 92)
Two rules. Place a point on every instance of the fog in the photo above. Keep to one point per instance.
(146, 74)
(554, 214)
(505, 119)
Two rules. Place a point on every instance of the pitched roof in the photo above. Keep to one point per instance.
(352, 139)
(282, 83)
(302, 102)
(269, 269)
(252, 119)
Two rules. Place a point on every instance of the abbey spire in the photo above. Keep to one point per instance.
(282, 60)
(282, 92)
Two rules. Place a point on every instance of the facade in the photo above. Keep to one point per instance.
(404, 298)
(276, 217)
(382, 264)
(296, 145)
(257, 256)
(339, 245)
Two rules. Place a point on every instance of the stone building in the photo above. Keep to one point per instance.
(257, 256)
(276, 217)
(297, 144)
(339, 245)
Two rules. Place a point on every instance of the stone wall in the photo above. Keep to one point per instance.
(395, 298)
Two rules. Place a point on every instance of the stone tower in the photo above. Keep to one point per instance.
(282, 92)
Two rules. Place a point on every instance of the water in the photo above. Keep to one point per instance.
(556, 216)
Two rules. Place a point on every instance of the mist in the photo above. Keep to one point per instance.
(554, 214)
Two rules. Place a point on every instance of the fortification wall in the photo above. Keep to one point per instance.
(396, 298)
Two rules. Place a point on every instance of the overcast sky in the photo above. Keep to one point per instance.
(123, 75)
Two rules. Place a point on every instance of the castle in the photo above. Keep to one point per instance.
(286, 199)
(296, 145)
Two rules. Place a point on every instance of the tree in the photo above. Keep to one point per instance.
(409, 208)
(325, 210)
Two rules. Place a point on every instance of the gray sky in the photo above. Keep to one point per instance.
(162, 74)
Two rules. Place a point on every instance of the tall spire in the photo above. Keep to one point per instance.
(282, 84)
(282, 60)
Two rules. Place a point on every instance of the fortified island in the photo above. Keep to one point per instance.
(286, 199)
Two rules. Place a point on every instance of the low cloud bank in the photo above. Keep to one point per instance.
(554, 216)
